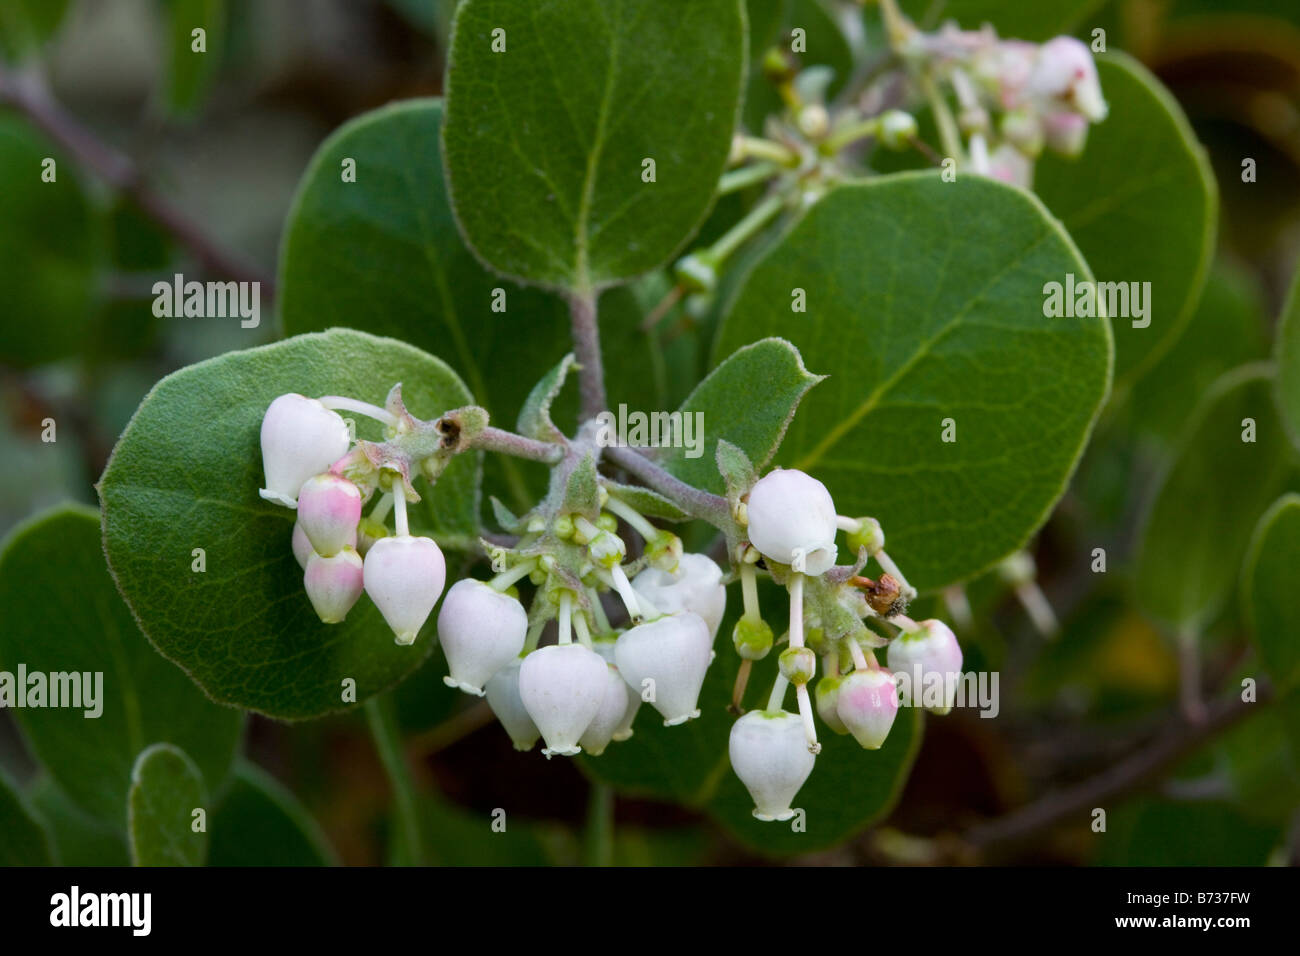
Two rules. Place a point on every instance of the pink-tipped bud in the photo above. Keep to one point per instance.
(867, 705)
(770, 755)
(333, 584)
(670, 656)
(696, 586)
(404, 577)
(562, 687)
(481, 631)
(792, 520)
(302, 549)
(300, 438)
(927, 666)
(503, 697)
(329, 507)
(1064, 71)
(613, 707)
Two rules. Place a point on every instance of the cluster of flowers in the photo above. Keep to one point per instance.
(584, 691)
(1015, 98)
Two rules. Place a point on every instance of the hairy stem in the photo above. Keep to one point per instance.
(698, 504)
(518, 446)
(586, 349)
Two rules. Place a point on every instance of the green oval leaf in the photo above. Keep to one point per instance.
(545, 139)
(1142, 204)
(166, 789)
(726, 406)
(260, 823)
(25, 841)
(382, 254)
(925, 302)
(1288, 362)
(49, 250)
(186, 475)
(65, 620)
(1217, 485)
(1269, 591)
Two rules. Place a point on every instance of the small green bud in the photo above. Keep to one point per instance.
(798, 664)
(537, 576)
(563, 527)
(607, 549)
(897, 129)
(697, 272)
(869, 535)
(752, 638)
(607, 522)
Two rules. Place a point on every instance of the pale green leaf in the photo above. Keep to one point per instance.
(162, 826)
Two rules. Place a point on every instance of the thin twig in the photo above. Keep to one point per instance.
(1140, 768)
(698, 504)
(518, 446)
(28, 93)
(586, 349)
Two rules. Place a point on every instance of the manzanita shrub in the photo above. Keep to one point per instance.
(666, 381)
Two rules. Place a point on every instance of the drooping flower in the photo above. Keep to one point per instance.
(329, 507)
(1064, 72)
(792, 520)
(613, 708)
(673, 652)
(867, 704)
(302, 549)
(333, 583)
(481, 631)
(562, 687)
(404, 576)
(927, 662)
(300, 438)
(502, 692)
(771, 757)
(696, 586)
(607, 650)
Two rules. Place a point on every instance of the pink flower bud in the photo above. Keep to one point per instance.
(927, 665)
(481, 631)
(300, 438)
(613, 707)
(696, 586)
(1011, 166)
(1064, 70)
(673, 652)
(503, 697)
(302, 549)
(562, 687)
(329, 507)
(333, 584)
(792, 518)
(404, 577)
(868, 703)
(770, 755)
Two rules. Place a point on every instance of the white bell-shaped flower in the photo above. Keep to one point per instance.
(1065, 71)
(329, 507)
(300, 438)
(792, 520)
(333, 583)
(302, 549)
(672, 653)
(481, 631)
(562, 687)
(503, 697)
(771, 757)
(613, 707)
(404, 577)
(826, 695)
(867, 704)
(607, 649)
(696, 586)
(927, 665)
